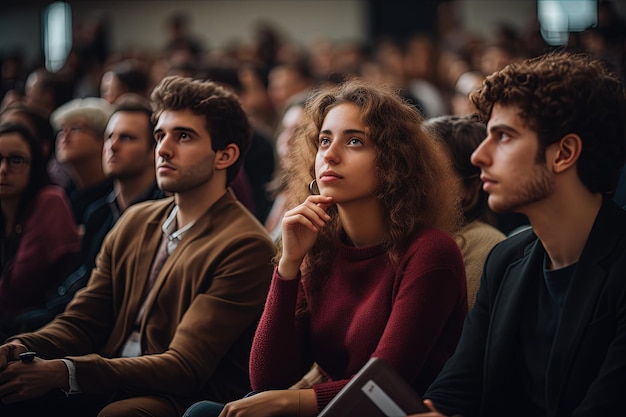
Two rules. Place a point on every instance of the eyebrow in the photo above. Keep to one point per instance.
(11, 155)
(179, 129)
(120, 133)
(346, 132)
(501, 127)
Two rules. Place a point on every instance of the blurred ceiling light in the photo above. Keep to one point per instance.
(57, 34)
(557, 18)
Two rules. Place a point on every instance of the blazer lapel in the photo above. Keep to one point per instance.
(145, 256)
(135, 283)
(506, 315)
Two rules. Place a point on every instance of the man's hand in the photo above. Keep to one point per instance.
(10, 352)
(21, 381)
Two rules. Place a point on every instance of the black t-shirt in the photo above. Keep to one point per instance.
(539, 325)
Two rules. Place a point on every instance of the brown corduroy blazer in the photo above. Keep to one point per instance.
(200, 316)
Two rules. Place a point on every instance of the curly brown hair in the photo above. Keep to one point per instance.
(226, 121)
(564, 93)
(413, 176)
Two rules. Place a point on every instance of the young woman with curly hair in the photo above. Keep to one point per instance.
(367, 266)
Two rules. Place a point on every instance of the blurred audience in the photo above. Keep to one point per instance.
(80, 124)
(40, 127)
(122, 78)
(11, 76)
(39, 241)
(274, 67)
(420, 61)
(277, 187)
(466, 83)
(46, 90)
(128, 158)
(255, 98)
(288, 83)
(181, 45)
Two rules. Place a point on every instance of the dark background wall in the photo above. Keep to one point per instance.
(140, 23)
(400, 19)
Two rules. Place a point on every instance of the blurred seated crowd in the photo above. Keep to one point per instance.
(83, 136)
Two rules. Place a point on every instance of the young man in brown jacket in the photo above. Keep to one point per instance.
(168, 315)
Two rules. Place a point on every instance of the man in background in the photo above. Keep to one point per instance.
(80, 124)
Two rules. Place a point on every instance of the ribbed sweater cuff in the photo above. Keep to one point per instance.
(326, 391)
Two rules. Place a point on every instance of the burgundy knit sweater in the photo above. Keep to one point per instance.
(411, 317)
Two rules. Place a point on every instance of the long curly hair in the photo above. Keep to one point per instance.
(414, 181)
(564, 93)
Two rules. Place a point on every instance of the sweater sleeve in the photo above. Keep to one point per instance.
(280, 350)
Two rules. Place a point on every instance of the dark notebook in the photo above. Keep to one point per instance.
(377, 390)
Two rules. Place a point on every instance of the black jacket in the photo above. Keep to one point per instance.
(586, 373)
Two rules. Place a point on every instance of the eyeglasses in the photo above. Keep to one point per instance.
(67, 130)
(14, 161)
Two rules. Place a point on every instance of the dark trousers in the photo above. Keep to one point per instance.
(209, 408)
(57, 403)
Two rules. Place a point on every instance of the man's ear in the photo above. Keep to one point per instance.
(567, 152)
(227, 156)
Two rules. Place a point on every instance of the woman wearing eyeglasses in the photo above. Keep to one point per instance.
(39, 240)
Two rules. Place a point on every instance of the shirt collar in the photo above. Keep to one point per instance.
(173, 235)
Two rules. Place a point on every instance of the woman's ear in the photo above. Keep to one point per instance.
(227, 156)
(567, 152)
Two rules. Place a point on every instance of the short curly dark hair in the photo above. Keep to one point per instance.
(226, 121)
(566, 92)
